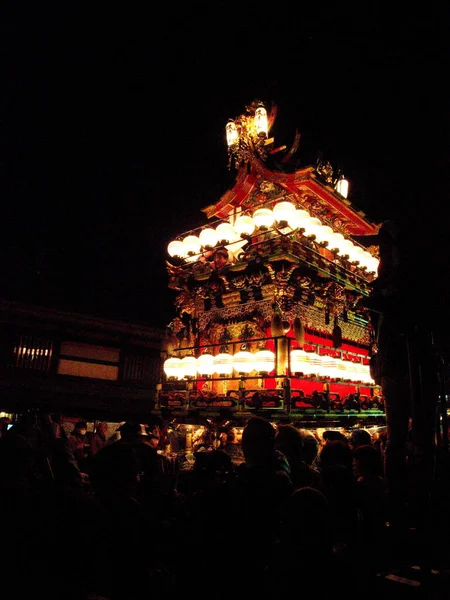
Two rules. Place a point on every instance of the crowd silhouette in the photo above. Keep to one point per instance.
(298, 511)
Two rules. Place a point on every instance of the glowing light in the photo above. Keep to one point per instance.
(261, 122)
(223, 363)
(263, 217)
(232, 134)
(284, 211)
(173, 368)
(205, 364)
(342, 187)
(177, 248)
(226, 233)
(208, 237)
(264, 361)
(244, 225)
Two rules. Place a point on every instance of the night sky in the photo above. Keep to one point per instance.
(112, 135)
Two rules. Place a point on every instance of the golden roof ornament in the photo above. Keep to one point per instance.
(247, 135)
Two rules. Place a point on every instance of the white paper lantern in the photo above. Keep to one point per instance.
(226, 232)
(263, 217)
(232, 134)
(284, 211)
(357, 255)
(300, 219)
(244, 225)
(243, 361)
(336, 241)
(261, 122)
(345, 248)
(208, 237)
(223, 363)
(300, 361)
(177, 248)
(173, 368)
(264, 360)
(342, 187)
(323, 233)
(192, 244)
(312, 226)
(205, 364)
(189, 366)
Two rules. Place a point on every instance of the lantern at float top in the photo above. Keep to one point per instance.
(342, 187)
(261, 121)
(232, 134)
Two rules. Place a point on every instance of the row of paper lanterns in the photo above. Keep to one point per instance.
(263, 361)
(283, 214)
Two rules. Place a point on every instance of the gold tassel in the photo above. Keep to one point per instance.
(276, 325)
(281, 344)
(299, 332)
(337, 334)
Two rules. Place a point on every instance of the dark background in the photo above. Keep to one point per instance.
(112, 135)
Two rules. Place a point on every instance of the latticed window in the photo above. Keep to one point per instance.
(141, 368)
(79, 359)
(31, 352)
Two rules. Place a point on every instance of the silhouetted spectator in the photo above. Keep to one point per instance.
(79, 445)
(368, 470)
(331, 435)
(310, 447)
(359, 437)
(289, 441)
(406, 370)
(304, 555)
(129, 566)
(340, 487)
(262, 486)
(336, 452)
(98, 439)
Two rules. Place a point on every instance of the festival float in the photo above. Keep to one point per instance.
(268, 317)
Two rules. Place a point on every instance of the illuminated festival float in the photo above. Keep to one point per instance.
(268, 313)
